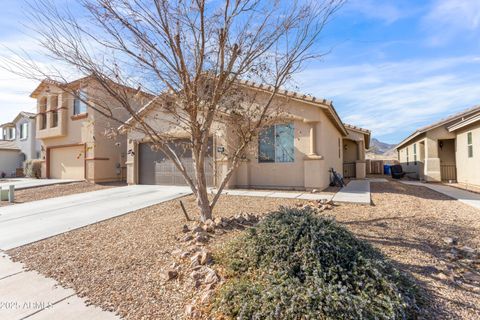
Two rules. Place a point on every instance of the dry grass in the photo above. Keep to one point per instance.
(58, 190)
(118, 263)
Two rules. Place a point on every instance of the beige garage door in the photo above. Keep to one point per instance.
(156, 168)
(67, 163)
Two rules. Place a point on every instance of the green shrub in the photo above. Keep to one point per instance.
(295, 265)
(32, 168)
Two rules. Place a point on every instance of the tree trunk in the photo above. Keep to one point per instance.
(204, 204)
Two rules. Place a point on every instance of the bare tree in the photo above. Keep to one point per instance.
(191, 59)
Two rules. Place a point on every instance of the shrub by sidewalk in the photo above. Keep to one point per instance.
(296, 265)
(32, 168)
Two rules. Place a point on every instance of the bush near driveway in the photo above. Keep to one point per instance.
(32, 168)
(296, 265)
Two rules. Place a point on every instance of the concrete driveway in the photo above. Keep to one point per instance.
(24, 223)
(25, 183)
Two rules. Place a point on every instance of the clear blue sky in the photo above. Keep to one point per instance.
(394, 65)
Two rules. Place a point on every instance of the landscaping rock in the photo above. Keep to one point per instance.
(197, 275)
(449, 241)
(209, 226)
(205, 257)
(206, 296)
(218, 222)
(187, 238)
(201, 238)
(197, 229)
(170, 275)
(177, 252)
(185, 228)
(195, 260)
(211, 276)
(467, 251)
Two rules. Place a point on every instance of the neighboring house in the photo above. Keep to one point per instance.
(73, 135)
(448, 150)
(296, 153)
(22, 143)
(9, 158)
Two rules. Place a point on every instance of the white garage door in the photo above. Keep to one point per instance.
(67, 163)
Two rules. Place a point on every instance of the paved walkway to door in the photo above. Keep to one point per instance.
(28, 222)
(29, 295)
(356, 191)
(467, 197)
(25, 183)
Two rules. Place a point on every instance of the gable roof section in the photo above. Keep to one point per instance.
(7, 124)
(365, 132)
(324, 104)
(449, 122)
(8, 145)
(465, 122)
(24, 114)
(45, 83)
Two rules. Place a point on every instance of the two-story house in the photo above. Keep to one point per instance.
(18, 143)
(73, 132)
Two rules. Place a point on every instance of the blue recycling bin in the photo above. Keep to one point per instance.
(386, 169)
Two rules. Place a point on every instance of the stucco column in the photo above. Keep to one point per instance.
(360, 150)
(39, 116)
(48, 114)
(432, 161)
(313, 137)
(360, 163)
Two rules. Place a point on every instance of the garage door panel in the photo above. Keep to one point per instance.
(67, 163)
(156, 168)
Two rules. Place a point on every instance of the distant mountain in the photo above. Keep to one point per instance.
(378, 147)
(381, 150)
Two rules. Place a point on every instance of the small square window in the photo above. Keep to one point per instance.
(24, 131)
(79, 104)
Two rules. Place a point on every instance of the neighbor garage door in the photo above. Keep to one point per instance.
(156, 168)
(67, 163)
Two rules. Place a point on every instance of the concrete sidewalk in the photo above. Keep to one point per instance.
(356, 191)
(277, 194)
(24, 223)
(467, 197)
(26, 183)
(29, 295)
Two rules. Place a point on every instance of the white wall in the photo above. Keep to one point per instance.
(9, 161)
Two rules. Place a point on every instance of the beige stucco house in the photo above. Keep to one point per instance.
(308, 141)
(448, 150)
(74, 143)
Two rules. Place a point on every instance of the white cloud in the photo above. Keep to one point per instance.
(449, 18)
(383, 10)
(15, 96)
(393, 99)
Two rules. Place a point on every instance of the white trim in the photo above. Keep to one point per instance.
(464, 123)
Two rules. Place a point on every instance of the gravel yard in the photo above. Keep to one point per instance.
(58, 190)
(119, 264)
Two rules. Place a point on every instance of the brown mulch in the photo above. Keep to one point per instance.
(58, 190)
(118, 263)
